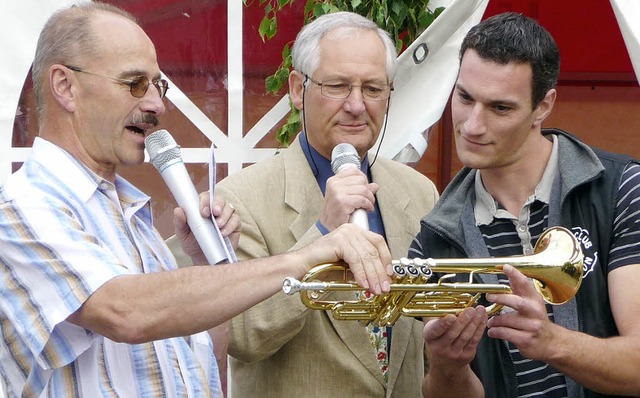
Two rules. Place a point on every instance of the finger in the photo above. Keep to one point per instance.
(374, 187)
(524, 299)
(224, 213)
(180, 225)
(520, 284)
(475, 338)
(436, 328)
(383, 261)
(373, 270)
(513, 320)
(513, 335)
(371, 274)
(463, 331)
(353, 195)
(363, 256)
(205, 205)
(233, 225)
(362, 200)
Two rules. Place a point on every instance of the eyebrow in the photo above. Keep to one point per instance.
(505, 102)
(135, 73)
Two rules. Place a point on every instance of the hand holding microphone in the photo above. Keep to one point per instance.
(164, 154)
(348, 194)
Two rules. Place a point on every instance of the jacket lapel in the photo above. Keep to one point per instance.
(302, 193)
(393, 209)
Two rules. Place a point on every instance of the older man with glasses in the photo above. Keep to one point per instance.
(93, 304)
(342, 81)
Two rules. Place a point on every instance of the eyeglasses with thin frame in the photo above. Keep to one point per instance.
(340, 90)
(138, 86)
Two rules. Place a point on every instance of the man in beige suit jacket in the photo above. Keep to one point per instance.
(280, 348)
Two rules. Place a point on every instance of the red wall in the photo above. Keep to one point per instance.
(587, 33)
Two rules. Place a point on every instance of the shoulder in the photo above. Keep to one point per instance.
(401, 174)
(263, 173)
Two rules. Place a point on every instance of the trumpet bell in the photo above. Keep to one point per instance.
(560, 277)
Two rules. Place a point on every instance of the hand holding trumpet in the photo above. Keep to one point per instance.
(365, 252)
(452, 341)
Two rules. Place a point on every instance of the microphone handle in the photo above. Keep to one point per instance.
(360, 218)
(204, 229)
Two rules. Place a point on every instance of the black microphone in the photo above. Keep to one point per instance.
(164, 154)
(344, 156)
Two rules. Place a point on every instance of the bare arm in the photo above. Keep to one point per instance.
(138, 308)
(606, 365)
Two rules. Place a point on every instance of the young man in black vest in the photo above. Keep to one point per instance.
(519, 180)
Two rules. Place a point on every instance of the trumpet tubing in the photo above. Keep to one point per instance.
(555, 267)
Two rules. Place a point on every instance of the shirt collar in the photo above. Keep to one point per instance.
(486, 207)
(85, 182)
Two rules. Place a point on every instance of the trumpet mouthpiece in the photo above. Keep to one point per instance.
(291, 285)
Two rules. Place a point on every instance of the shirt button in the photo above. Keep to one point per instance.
(104, 186)
(522, 228)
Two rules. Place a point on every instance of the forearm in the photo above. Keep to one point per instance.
(462, 383)
(137, 308)
(608, 366)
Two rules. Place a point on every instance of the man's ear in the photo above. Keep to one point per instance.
(62, 84)
(544, 107)
(296, 88)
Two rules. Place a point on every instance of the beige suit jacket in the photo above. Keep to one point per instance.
(279, 347)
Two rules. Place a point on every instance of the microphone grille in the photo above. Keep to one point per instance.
(162, 149)
(344, 154)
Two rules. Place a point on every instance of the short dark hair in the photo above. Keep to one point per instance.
(512, 37)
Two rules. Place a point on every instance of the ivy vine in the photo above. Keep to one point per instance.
(405, 20)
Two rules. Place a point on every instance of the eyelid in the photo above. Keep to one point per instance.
(335, 84)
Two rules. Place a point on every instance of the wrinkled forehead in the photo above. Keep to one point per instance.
(122, 42)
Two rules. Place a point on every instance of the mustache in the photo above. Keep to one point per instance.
(146, 119)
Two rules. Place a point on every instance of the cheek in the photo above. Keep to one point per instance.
(459, 114)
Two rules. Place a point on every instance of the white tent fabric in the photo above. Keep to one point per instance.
(20, 22)
(628, 14)
(426, 73)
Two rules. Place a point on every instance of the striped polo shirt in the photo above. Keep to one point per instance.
(64, 232)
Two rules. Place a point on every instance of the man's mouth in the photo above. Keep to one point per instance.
(140, 124)
(136, 130)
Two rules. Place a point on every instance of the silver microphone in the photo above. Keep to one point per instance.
(164, 154)
(344, 156)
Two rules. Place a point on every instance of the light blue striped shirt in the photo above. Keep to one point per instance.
(64, 232)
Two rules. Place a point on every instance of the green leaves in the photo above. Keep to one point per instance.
(291, 127)
(405, 20)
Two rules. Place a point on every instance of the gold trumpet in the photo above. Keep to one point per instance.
(555, 267)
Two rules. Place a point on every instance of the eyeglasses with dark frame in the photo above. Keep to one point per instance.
(341, 90)
(138, 86)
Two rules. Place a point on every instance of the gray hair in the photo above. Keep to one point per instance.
(306, 49)
(66, 38)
